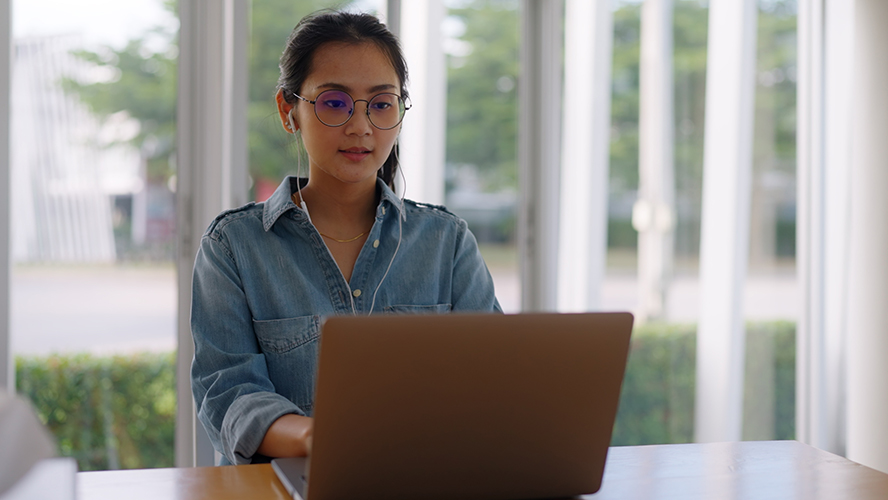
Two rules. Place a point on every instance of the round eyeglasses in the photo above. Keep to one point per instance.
(335, 107)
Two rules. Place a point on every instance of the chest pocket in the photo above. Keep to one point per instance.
(280, 336)
(291, 356)
(405, 309)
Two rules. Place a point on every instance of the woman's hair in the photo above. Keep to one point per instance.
(327, 26)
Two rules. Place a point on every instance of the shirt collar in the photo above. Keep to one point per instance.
(280, 201)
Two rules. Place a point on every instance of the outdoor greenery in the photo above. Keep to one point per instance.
(775, 115)
(119, 412)
(271, 156)
(657, 400)
(138, 80)
(482, 93)
(107, 412)
(141, 81)
(482, 101)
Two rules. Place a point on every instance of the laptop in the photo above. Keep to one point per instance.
(462, 406)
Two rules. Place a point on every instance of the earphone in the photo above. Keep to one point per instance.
(292, 130)
(401, 217)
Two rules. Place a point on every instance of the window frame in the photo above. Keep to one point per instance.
(7, 364)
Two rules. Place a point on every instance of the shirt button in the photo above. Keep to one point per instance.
(357, 293)
(375, 243)
(383, 210)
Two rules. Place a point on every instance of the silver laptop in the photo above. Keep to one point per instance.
(462, 406)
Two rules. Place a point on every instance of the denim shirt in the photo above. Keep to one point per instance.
(264, 279)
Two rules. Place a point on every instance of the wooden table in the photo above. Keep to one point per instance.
(736, 471)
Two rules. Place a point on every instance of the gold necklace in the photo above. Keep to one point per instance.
(337, 240)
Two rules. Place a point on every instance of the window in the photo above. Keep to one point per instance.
(481, 165)
(93, 289)
(93, 204)
(771, 299)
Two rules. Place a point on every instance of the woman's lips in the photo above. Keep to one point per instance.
(355, 154)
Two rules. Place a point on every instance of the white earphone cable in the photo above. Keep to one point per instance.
(298, 166)
(351, 296)
(401, 217)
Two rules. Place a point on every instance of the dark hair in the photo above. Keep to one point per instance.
(325, 26)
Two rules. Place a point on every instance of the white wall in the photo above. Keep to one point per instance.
(868, 260)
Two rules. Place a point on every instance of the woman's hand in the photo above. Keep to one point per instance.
(288, 436)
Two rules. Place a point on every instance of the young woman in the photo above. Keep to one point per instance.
(338, 242)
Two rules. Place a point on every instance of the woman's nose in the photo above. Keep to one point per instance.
(360, 121)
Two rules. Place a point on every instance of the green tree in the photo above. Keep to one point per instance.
(482, 103)
(142, 83)
(691, 19)
(774, 152)
(272, 22)
(689, 74)
(482, 112)
(775, 104)
(776, 90)
(624, 98)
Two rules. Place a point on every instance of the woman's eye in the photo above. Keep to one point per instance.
(381, 106)
(334, 103)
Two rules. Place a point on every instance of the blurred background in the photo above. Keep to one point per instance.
(94, 183)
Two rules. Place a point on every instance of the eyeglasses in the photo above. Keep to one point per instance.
(335, 107)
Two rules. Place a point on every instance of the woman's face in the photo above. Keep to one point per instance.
(353, 152)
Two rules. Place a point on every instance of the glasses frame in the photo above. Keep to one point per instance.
(355, 102)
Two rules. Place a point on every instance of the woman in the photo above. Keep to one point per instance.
(339, 242)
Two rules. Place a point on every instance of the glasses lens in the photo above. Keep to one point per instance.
(334, 107)
(386, 110)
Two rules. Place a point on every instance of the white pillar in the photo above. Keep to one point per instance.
(211, 167)
(724, 245)
(585, 153)
(809, 222)
(868, 269)
(653, 215)
(7, 365)
(539, 145)
(392, 19)
(837, 144)
(825, 67)
(422, 134)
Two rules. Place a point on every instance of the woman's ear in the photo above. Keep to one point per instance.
(285, 110)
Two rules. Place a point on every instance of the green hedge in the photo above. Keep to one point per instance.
(107, 412)
(119, 412)
(657, 399)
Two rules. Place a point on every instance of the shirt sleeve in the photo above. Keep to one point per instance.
(472, 284)
(236, 400)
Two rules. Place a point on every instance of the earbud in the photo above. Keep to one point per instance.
(291, 127)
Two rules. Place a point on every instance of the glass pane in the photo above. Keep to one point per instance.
(657, 400)
(657, 404)
(690, 20)
(622, 240)
(481, 43)
(93, 288)
(772, 299)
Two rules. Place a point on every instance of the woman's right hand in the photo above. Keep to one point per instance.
(289, 436)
